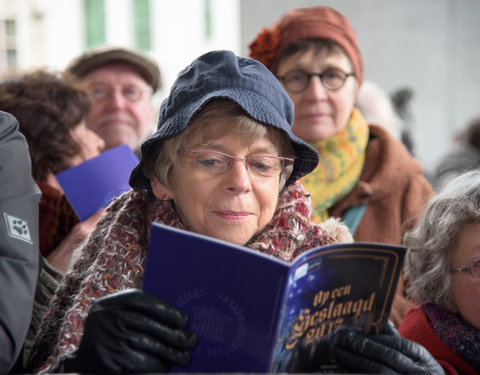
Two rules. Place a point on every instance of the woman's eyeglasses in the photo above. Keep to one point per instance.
(474, 268)
(297, 80)
(214, 162)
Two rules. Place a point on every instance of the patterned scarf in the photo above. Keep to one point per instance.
(114, 256)
(462, 338)
(341, 162)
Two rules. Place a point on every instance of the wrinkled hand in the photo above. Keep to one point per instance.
(387, 353)
(132, 332)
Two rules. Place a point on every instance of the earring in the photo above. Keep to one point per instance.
(166, 197)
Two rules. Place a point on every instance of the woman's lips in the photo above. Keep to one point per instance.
(316, 116)
(233, 215)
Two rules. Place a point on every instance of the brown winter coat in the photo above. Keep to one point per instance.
(395, 189)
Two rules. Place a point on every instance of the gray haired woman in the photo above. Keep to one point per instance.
(442, 272)
(222, 163)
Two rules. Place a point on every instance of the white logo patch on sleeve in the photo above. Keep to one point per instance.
(17, 228)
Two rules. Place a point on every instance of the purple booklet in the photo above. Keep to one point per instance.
(255, 313)
(93, 184)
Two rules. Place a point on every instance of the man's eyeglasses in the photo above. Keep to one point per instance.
(297, 80)
(474, 268)
(214, 162)
(130, 93)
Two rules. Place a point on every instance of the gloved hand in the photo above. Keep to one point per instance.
(386, 353)
(132, 332)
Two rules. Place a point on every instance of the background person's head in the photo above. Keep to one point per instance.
(471, 134)
(51, 114)
(120, 82)
(377, 108)
(316, 40)
(447, 237)
(230, 105)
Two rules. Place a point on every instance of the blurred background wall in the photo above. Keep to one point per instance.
(431, 47)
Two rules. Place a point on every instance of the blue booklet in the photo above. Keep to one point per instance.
(93, 184)
(255, 313)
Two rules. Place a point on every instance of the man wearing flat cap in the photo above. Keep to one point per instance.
(120, 82)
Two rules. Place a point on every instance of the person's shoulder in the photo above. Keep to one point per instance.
(415, 324)
(382, 135)
(391, 150)
(130, 199)
(387, 158)
(8, 123)
(15, 163)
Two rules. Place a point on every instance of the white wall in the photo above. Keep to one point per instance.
(179, 33)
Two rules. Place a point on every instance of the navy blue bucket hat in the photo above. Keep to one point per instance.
(247, 82)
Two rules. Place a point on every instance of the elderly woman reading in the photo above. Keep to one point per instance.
(223, 163)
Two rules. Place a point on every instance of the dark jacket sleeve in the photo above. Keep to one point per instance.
(19, 254)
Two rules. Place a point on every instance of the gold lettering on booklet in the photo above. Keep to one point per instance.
(327, 315)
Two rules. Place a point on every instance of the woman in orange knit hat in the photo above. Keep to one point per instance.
(365, 176)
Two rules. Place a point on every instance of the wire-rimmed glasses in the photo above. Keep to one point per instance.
(215, 162)
(474, 269)
(297, 80)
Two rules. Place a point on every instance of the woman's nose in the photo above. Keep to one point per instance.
(238, 177)
(316, 89)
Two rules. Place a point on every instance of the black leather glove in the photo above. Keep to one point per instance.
(132, 332)
(387, 353)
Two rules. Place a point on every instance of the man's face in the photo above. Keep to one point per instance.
(121, 112)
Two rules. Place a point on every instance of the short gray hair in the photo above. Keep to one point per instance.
(431, 241)
(165, 155)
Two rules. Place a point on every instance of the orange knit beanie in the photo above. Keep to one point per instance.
(306, 23)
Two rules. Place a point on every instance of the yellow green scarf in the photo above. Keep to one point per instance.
(341, 162)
